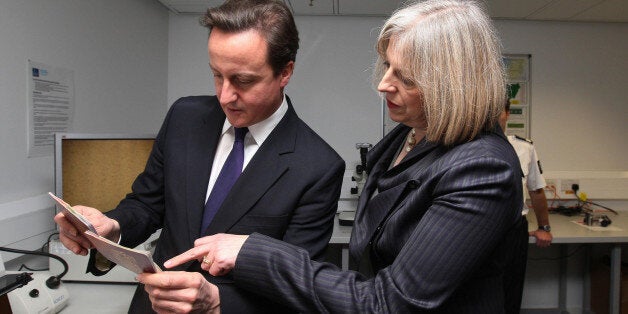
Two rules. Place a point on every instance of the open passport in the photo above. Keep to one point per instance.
(137, 261)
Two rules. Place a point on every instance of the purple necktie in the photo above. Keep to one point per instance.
(228, 175)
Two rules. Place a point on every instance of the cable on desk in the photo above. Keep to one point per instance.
(54, 281)
(47, 244)
(555, 196)
(607, 208)
(566, 210)
(581, 203)
(43, 248)
(576, 187)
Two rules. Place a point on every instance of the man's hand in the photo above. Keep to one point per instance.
(216, 253)
(543, 238)
(539, 205)
(76, 242)
(180, 292)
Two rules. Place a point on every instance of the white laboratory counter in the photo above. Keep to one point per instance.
(109, 298)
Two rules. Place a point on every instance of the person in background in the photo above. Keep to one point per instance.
(441, 208)
(534, 181)
(290, 178)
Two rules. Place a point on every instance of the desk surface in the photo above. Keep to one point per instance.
(105, 298)
(341, 234)
(564, 230)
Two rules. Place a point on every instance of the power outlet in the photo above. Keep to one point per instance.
(552, 184)
(565, 186)
(551, 188)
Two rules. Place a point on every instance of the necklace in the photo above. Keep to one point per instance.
(411, 140)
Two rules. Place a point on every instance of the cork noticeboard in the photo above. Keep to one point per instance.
(98, 171)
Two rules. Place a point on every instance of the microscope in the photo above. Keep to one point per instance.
(592, 219)
(359, 176)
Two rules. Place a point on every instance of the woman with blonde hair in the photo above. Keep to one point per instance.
(441, 208)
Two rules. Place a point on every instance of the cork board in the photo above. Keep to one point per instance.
(99, 172)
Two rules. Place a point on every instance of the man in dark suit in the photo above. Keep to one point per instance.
(290, 180)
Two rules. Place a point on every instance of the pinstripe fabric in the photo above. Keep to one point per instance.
(438, 232)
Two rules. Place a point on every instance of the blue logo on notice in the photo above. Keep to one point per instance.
(35, 72)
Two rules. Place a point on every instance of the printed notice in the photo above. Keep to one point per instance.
(51, 106)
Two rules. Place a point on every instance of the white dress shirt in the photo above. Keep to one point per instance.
(252, 141)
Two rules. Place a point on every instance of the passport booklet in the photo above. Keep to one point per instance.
(137, 261)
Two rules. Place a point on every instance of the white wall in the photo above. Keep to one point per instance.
(578, 105)
(331, 86)
(118, 50)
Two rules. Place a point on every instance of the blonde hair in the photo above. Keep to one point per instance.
(452, 54)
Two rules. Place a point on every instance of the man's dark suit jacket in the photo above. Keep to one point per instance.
(438, 229)
(289, 191)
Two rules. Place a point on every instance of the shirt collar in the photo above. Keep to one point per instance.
(261, 130)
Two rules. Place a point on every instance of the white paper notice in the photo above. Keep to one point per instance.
(51, 106)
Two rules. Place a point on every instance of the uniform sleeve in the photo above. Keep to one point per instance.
(535, 179)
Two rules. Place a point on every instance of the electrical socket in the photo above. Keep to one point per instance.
(551, 188)
(552, 184)
(566, 185)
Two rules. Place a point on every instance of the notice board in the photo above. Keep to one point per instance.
(97, 170)
(517, 68)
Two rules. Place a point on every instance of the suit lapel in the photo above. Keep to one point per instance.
(201, 148)
(265, 168)
(377, 163)
(386, 187)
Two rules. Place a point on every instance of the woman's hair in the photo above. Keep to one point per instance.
(451, 52)
(271, 18)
